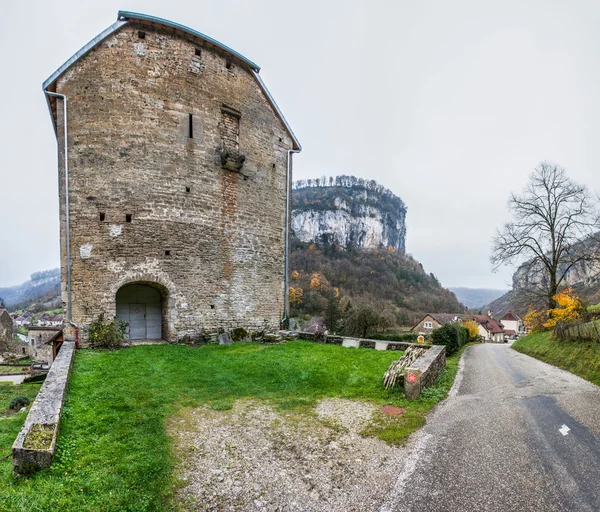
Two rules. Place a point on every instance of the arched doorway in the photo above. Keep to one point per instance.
(141, 306)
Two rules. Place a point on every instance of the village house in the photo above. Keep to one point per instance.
(432, 321)
(174, 185)
(489, 329)
(513, 325)
(43, 343)
(25, 318)
(6, 331)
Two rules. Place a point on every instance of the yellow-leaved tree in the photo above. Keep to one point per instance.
(568, 309)
(296, 296)
(534, 320)
(473, 328)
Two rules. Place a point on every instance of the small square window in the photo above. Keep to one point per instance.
(167, 253)
(128, 217)
(212, 306)
(141, 34)
(188, 189)
(198, 52)
(228, 64)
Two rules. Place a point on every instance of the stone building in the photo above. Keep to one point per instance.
(6, 331)
(179, 177)
(40, 343)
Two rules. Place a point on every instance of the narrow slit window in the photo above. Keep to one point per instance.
(198, 52)
(191, 126)
(102, 216)
(141, 34)
(228, 64)
(128, 217)
(188, 189)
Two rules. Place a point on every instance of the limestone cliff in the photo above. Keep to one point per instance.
(351, 212)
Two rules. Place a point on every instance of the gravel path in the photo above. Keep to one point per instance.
(255, 458)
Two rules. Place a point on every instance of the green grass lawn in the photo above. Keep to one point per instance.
(579, 357)
(113, 450)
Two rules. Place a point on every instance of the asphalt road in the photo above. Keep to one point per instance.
(499, 442)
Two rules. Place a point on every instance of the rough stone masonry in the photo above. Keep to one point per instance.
(178, 161)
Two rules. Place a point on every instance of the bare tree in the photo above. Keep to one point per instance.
(554, 230)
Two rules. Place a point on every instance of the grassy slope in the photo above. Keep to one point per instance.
(114, 453)
(580, 358)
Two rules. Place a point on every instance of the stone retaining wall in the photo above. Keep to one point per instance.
(424, 371)
(46, 410)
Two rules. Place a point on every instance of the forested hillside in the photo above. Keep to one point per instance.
(396, 284)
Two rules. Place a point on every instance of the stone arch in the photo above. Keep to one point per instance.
(139, 287)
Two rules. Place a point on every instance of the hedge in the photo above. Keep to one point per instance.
(453, 336)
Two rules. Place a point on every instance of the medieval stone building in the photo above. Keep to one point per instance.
(174, 184)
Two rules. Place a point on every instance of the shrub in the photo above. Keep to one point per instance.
(18, 402)
(568, 309)
(452, 336)
(107, 334)
(473, 328)
(241, 334)
(365, 315)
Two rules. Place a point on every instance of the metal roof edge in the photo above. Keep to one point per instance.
(127, 15)
(85, 49)
(278, 111)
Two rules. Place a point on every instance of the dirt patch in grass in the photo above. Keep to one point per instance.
(259, 457)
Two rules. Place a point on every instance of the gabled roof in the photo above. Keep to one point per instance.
(511, 317)
(444, 318)
(125, 17)
(489, 324)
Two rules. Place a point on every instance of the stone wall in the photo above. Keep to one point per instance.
(45, 410)
(424, 371)
(154, 198)
(36, 340)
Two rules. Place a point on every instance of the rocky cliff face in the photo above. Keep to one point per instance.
(40, 283)
(348, 211)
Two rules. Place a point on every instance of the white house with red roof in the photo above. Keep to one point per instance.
(489, 329)
(512, 324)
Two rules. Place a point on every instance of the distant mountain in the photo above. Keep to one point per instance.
(477, 297)
(43, 286)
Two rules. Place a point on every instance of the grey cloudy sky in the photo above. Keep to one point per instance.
(449, 104)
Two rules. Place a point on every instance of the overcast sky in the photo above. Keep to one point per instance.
(450, 104)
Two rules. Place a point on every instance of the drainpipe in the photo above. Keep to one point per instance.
(287, 233)
(67, 229)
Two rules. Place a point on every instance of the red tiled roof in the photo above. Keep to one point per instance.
(510, 332)
(489, 324)
(510, 316)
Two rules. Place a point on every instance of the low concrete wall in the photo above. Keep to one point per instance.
(46, 410)
(357, 342)
(424, 371)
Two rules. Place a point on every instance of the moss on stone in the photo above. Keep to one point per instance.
(39, 437)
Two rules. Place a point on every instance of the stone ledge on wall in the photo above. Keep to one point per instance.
(45, 412)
